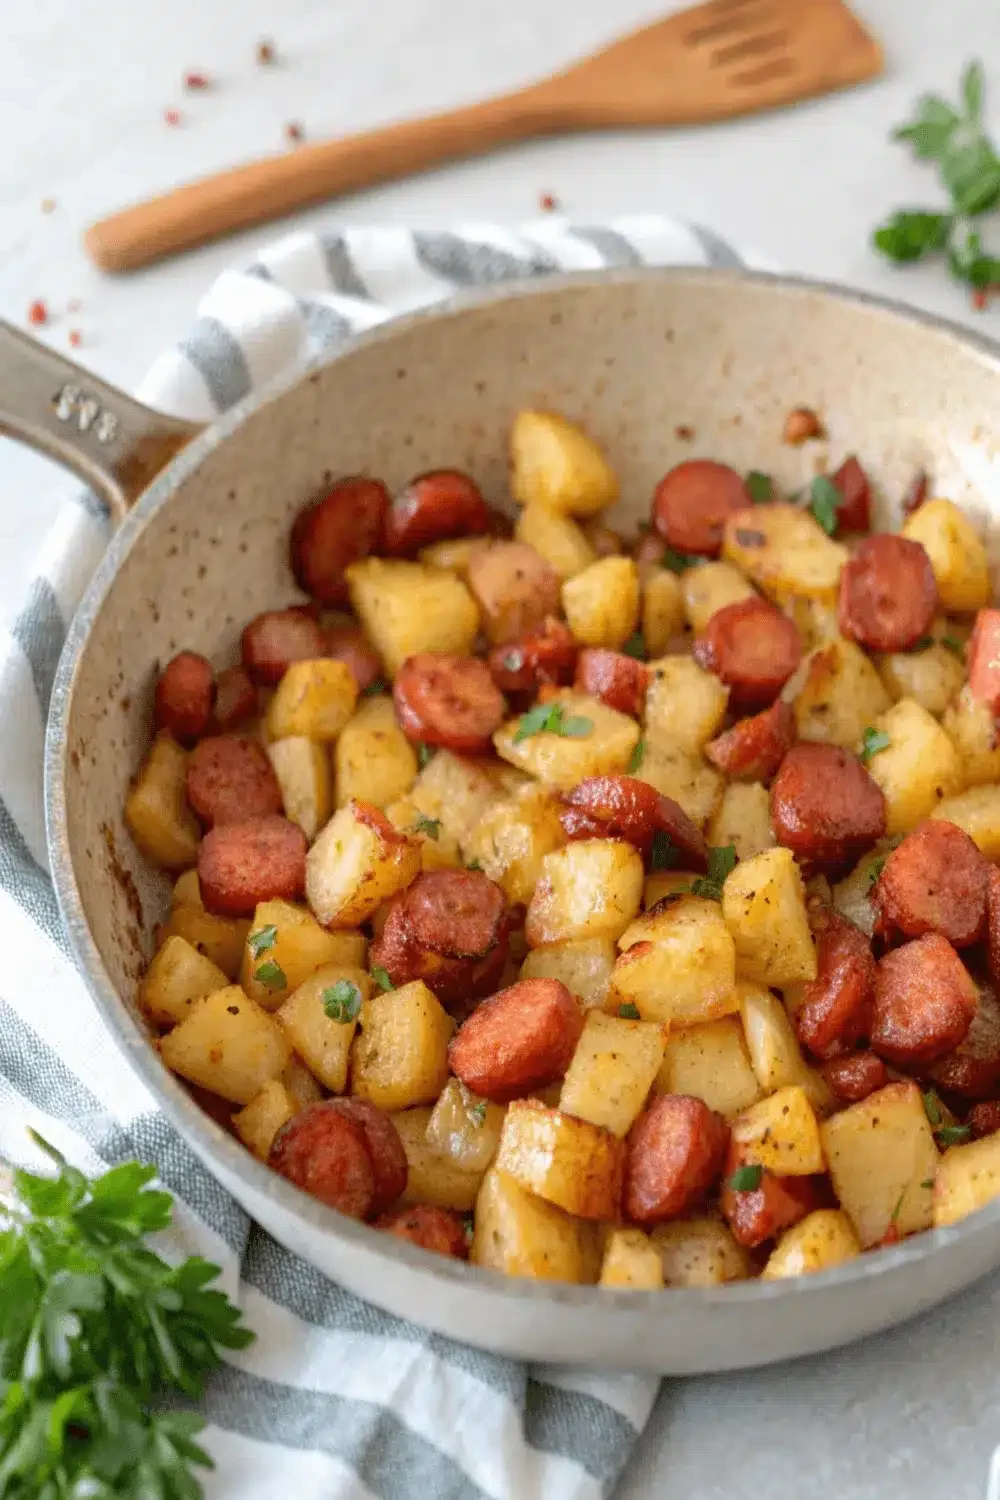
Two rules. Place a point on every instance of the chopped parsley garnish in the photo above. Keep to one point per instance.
(924, 643)
(477, 1112)
(952, 1135)
(628, 1011)
(745, 1179)
(258, 942)
(664, 853)
(635, 759)
(758, 486)
(424, 754)
(635, 646)
(374, 688)
(678, 562)
(932, 1107)
(548, 718)
(872, 741)
(899, 1203)
(721, 863)
(953, 644)
(342, 1001)
(876, 867)
(928, 1182)
(429, 827)
(824, 501)
(271, 974)
(475, 865)
(381, 978)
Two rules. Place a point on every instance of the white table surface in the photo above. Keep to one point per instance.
(85, 83)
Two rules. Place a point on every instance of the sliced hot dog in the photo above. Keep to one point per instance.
(324, 1152)
(272, 641)
(985, 1118)
(385, 1148)
(519, 1040)
(349, 644)
(676, 1150)
(760, 1213)
(824, 805)
(924, 1004)
(340, 528)
(618, 680)
(856, 1076)
(448, 700)
(230, 779)
(887, 593)
(753, 648)
(545, 654)
(692, 502)
(754, 748)
(432, 508)
(836, 1005)
(854, 510)
(993, 922)
(515, 589)
(934, 882)
(984, 659)
(973, 1070)
(623, 807)
(448, 929)
(431, 1228)
(185, 693)
(235, 700)
(241, 864)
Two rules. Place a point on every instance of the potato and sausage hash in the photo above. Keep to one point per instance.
(600, 910)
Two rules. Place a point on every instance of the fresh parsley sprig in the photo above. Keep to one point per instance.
(548, 718)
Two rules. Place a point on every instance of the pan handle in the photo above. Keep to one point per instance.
(113, 443)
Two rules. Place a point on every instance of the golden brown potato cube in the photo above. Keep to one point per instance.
(373, 760)
(290, 938)
(685, 705)
(917, 769)
(699, 1252)
(852, 896)
(453, 792)
(764, 908)
(590, 888)
(677, 965)
(822, 1239)
(775, 1055)
(313, 698)
(612, 1071)
(968, 1177)
(300, 1083)
(321, 1017)
(710, 1062)
(406, 607)
(358, 861)
(816, 622)
(977, 812)
(931, 676)
(562, 760)
(258, 1122)
(157, 811)
(438, 849)
(709, 588)
(518, 1233)
(568, 1162)
(685, 777)
(662, 614)
(555, 537)
(452, 554)
(512, 838)
(780, 1134)
(433, 1177)
(228, 1045)
(187, 890)
(666, 883)
(743, 819)
(220, 939)
(583, 967)
(883, 1162)
(177, 976)
(400, 1054)
(957, 554)
(784, 552)
(971, 727)
(601, 603)
(841, 693)
(632, 1261)
(464, 1127)
(554, 463)
(302, 767)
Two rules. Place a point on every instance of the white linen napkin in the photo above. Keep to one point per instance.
(335, 1400)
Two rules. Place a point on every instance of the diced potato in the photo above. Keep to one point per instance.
(710, 1062)
(356, 864)
(563, 760)
(219, 938)
(518, 1233)
(554, 463)
(400, 1054)
(432, 1176)
(583, 967)
(373, 760)
(785, 552)
(743, 819)
(632, 1261)
(301, 1084)
(588, 889)
(816, 621)
(452, 554)
(663, 883)
(662, 615)
(555, 537)
(971, 727)
(157, 811)
(764, 907)
(568, 1162)
(454, 792)
(298, 946)
(709, 588)
(302, 767)
(313, 698)
(852, 896)
(931, 676)
(780, 1134)
(821, 1240)
(685, 777)
(678, 964)
(177, 976)
(187, 890)
(918, 768)
(323, 1043)
(699, 1252)
(258, 1122)
(228, 1045)
(968, 1177)
(883, 1162)
(977, 812)
(438, 849)
(464, 1127)
(841, 694)
(406, 607)
(512, 838)
(775, 1055)
(601, 603)
(612, 1071)
(957, 554)
(685, 705)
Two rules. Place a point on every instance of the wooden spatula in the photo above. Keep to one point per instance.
(723, 58)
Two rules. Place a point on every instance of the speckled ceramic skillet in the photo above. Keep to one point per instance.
(659, 366)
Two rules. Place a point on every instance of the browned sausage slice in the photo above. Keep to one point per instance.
(854, 510)
(887, 593)
(448, 700)
(450, 930)
(993, 922)
(546, 654)
(241, 864)
(934, 882)
(973, 1070)
(349, 644)
(519, 1040)
(836, 1005)
(388, 1155)
(856, 1076)
(824, 805)
(432, 508)
(342, 527)
(692, 502)
(675, 1156)
(618, 680)
(324, 1152)
(760, 1213)
(272, 641)
(985, 1118)
(235, 700)
(754, 748)
(185, 692)
(984, 659)
(752, 647)
(623, 807)
(924, 1004)
(431, 1228)
(230, 780)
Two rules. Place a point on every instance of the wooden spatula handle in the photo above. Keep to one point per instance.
(266, 189)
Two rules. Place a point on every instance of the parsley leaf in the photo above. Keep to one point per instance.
(628, 1011)
(664, 853)
(342, 1001)
(381, 978)
(429, 827)
(424, 753)
(758, 486)
(924, 644)
(911, 234)
(928, 1182)
(374, 688)
(475, 865)
(872, 741)
(258, 942)
(721, 863)
(678, 562)
(635, 646)
(932, 1107)
(745, 1179)
(952, 1135)
(271, 974)
(477, 1112)
(824, 500)
(547, 718)
(899, 1203)
(953, 644)
(635, 759)
(876, 867)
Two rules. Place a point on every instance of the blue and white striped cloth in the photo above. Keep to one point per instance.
(335, 1400)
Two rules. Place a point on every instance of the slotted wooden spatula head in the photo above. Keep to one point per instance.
(726, 57)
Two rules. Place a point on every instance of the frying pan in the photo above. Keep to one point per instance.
(658, 365)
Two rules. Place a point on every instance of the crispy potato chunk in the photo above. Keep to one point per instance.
(822, 1239)
(631, 1261)
(464, 1127)
(405, 607)
(743, 819)
(931, 676)
(784, 552)
(432, 1176)
(764, 907)
(220, 939)
(228, 1045)
(678, 964)
(775, 1055)
(710, 1062)
(358, 861)
(699, 1252)
(583, 966)
(957, 554)
(590, 888)
(977, 813)
(554, 463)
(572, 1163)
(400, 1055)
(258, 1122)
(298, 945)
(302, 766)
(562, 760)
(780, 1134)
(373, 759)
(177, 976)
(323, 1042)
(967, 1178)
(883, 1162)
(970, 726)
(841, 693)
(520, 1234)
(555, 537)
(313, 698)
(685, 705)
(157, 811)
(612, 1071)
(917, 769)
(601, 603)
(662, 616)
(709, 588)
(513, 837)
(683, 776)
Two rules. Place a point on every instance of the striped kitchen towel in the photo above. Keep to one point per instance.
(335, 1399)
